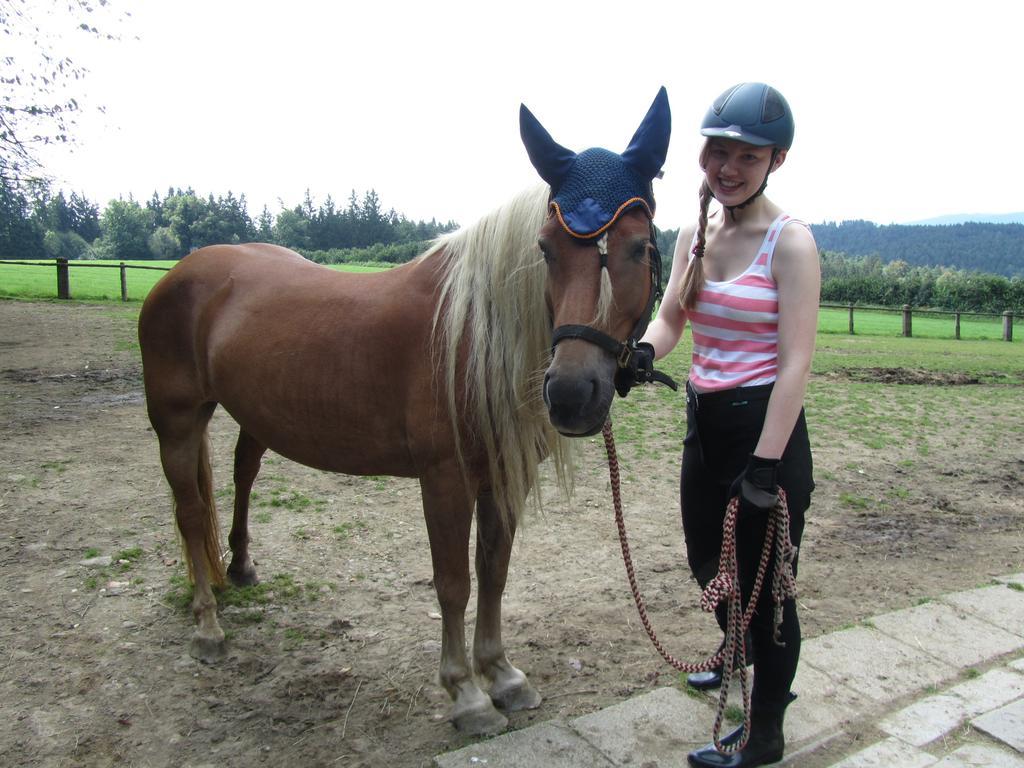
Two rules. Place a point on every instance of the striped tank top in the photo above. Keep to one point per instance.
(735, 324)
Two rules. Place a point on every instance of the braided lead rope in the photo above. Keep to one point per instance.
(724, 586)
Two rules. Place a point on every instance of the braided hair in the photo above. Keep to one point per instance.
(693, 278)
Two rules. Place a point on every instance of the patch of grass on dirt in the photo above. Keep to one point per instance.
(122, 562)
(989, 361)
(346, 530)
(853, 501)
(282, 497)
(281, 588)
(916, 419)
(126, 558)
(179, 596)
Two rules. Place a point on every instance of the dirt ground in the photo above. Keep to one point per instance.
(334, 660)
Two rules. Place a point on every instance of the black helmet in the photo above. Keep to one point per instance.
(754, 113)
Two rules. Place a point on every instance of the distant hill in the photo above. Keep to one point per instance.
(980, 218)
(996, 248)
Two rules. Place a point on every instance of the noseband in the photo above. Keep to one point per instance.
(622, 351)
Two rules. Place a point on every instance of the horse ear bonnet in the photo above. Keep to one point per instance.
(590, 190)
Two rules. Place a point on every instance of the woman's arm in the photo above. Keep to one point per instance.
(797, 273)
(667, 327)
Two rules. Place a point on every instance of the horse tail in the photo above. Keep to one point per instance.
(211, 548)
(211, 527)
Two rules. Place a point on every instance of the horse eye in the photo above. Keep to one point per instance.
(639, 251)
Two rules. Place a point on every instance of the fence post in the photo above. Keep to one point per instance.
(956, 325)
(906, 321)
(851, 318)
(63, 283)
(124, 283)
(1007, 325)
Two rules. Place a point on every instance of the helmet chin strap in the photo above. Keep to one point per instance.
(764, 184)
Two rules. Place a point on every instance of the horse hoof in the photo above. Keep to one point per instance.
(243, 577)
(517, 697)
(486, 721)
(208, 650)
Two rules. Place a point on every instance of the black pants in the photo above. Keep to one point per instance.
(722, 431)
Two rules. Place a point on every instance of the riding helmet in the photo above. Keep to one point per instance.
(754, 113)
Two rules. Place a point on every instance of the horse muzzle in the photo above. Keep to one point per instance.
(578, 397)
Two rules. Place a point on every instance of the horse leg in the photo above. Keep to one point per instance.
(184, 453)
(448, 510)
(248, 454)
(509, 688)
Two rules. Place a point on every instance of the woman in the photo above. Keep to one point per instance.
(748, 281)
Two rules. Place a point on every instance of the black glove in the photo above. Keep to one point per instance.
(639, 369)
(757, 485)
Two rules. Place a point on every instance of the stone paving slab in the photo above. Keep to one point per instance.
(890, 753)
(1005, 724)
(936, 716)
(822, 708)
(926, 720)
(993, 689)
(980, 756)
(551, 744)
(874, 664)
(999, 604)
(663, 726)
(948, 633)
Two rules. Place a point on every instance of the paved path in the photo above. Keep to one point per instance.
(941, 685)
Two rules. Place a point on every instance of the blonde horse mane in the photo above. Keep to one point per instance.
(492, 300)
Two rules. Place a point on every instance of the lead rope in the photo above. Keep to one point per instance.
(725, 586)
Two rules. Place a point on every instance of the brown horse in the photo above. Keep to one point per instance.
(431, 370)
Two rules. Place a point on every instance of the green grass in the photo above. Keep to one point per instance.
(90, 282)
(346, 530)
(281, 589)
(992, 360)
(889, 322)
(102, 283)
(122, 562)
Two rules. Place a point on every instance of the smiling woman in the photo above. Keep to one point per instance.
(747, 281)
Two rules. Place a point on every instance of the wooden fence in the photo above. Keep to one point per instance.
(64, 292)
(908, 313)
(64, 276)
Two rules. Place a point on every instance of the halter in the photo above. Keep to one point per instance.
(622, 351)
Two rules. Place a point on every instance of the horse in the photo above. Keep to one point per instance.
(440, 369)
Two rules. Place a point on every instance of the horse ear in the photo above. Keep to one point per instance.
(550, 158)
(649, 146)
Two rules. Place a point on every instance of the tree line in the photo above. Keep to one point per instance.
(997, 249)
(867, 280)
(38, 223)
(870, 281)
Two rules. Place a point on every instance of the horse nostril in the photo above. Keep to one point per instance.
(568, 394)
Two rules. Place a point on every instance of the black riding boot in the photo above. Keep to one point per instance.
(765, 745)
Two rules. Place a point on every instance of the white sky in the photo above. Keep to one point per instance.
(904, 109)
